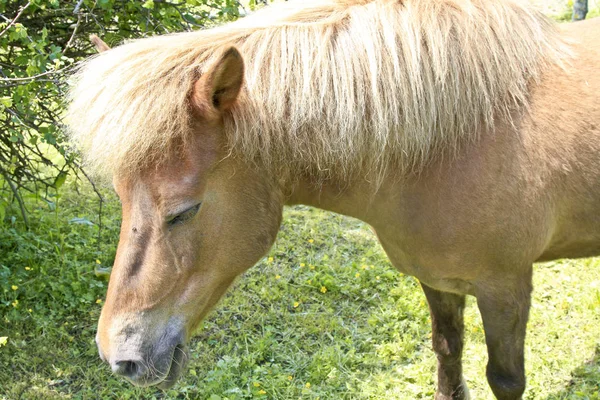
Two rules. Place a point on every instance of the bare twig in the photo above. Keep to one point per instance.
(23, 83)
(77, 7)
(74, 32)
(14, 20)
(183, 17)
(33, 77)
(100, 198)
(239, 3)
(15, 191)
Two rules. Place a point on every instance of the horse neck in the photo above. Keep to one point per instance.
(358, 198)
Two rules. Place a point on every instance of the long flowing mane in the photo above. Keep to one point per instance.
(331, 87)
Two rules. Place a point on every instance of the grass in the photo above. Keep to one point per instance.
(562, 10)
(323, 316)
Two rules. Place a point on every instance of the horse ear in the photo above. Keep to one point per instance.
(99, 43)
(219, 87)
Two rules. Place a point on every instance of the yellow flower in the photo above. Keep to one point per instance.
(377, 277)
(99, 301)
(270, 259)
(302, 265)
(364, 267)
(311, 266)
(30, 310)
(14, 287)
(357, 275)
(323, 289)
(262, 392)
(15, 303)
(311, 240)
(307, 385)
(256, 384)
(98, 262)
(296, 304)
(290, 377)
(277, 276)
(27, 269)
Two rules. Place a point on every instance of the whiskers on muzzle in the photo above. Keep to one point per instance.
(144, 358)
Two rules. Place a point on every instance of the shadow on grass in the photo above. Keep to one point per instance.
(584, 383)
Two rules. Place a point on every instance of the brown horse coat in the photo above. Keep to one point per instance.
(476, 160)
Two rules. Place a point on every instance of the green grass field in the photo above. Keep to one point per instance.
(324, 316)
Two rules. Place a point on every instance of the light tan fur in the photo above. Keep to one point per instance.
(329, 85)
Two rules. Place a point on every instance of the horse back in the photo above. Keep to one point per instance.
(529, 191)
(565, 124)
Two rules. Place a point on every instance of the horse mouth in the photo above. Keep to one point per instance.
(178, 363)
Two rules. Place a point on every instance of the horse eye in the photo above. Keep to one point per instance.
(184, 216)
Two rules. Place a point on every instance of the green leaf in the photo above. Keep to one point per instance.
(102, 272)
(60, 180)
(104, 4)
(148, 4)
(81, 221)
(3, 340)
(49, 138)
(6, 101)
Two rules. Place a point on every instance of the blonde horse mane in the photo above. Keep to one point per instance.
(332, 87)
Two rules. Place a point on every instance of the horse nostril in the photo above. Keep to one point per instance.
(127, 368)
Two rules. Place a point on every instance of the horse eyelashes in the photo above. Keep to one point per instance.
(184, 216)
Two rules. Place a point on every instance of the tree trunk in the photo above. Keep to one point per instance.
(580, 9)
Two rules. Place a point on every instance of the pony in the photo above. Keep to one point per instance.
(465, 133)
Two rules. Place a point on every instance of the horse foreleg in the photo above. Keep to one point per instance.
(447, 337)
(504, 308)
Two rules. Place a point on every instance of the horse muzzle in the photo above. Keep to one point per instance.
(145, 361)
(163, 371)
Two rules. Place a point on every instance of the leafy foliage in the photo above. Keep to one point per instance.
(40, 42)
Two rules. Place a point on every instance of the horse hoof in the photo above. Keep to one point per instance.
(462, 393)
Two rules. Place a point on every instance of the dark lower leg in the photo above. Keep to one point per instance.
(447, 338)
(504, 313)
